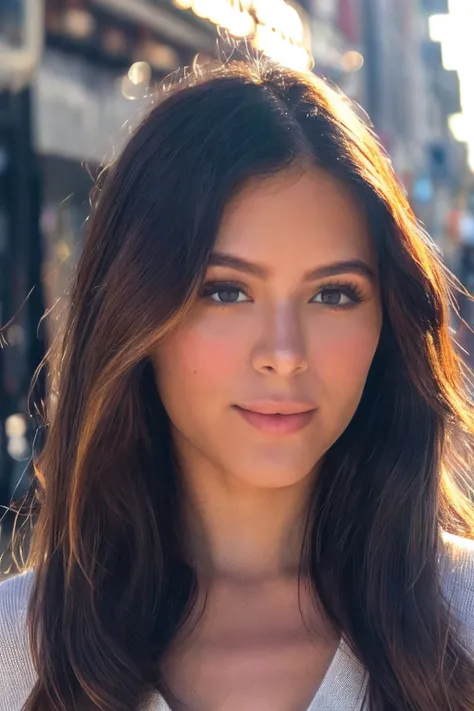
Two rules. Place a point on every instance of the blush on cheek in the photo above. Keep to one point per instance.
(202, 355)
(347, 359)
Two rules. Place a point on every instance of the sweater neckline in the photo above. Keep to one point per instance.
(342, 683)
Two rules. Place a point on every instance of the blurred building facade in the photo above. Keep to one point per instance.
(336, 31)
(410, 97)
(379, 52)
(442, 174)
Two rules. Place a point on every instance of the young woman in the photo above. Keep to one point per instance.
(253, 494)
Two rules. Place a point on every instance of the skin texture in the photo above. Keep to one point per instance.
(279, 339)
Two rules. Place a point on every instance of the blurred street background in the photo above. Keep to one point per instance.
(74, 78)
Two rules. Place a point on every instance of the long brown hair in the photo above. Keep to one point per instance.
(111, 585)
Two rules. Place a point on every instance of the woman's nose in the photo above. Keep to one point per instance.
(281, 344)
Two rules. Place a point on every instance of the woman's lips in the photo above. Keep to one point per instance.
(275, 423)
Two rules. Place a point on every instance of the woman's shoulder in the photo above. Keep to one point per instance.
(17, 675)
(457, 581)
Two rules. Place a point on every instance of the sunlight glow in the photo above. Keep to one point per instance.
(273, 26)
(455, 31)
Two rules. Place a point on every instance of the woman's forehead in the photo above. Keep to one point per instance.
(306, 214)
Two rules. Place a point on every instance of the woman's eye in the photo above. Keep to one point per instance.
(335, 297)
(225, 294)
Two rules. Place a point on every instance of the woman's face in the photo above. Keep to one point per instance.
(268, 368)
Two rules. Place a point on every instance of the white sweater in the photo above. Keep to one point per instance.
(341, 690)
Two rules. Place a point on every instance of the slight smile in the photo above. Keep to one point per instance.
(277, 423)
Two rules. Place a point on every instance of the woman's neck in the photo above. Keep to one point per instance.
(237, 531)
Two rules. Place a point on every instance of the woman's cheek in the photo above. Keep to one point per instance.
(346, 353)
(206, 350)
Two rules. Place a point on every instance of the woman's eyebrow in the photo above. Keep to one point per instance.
(221, 259)
(354, 266)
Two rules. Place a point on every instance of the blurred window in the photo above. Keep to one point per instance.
(12, 23)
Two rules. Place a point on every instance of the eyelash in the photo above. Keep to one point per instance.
(349, 289)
